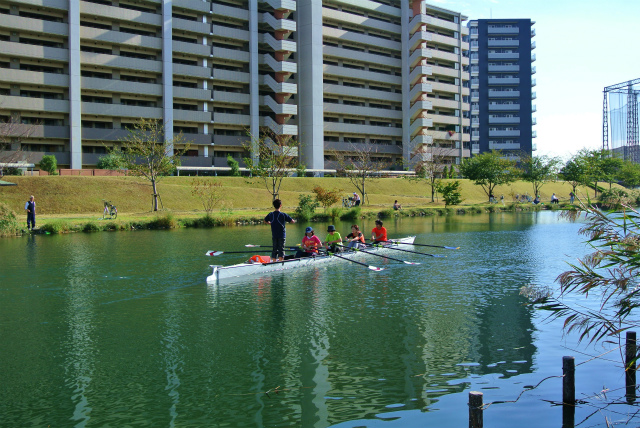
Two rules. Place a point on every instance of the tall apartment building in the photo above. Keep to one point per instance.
(502, 86)
(334, 73)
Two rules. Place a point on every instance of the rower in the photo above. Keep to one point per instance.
(333, 240)
(355, 238)
(310, 244)
(379, 233)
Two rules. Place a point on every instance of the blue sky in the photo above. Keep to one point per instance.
(581, 47)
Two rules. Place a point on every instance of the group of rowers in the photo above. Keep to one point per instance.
(311, 245)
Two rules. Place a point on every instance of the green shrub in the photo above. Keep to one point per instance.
(206, 222)
(351, 214)
(8, 221)
(111, 161)
(12, 171)
(91, 227)
(301, 170)
(234, 165)
(335, 212)
(166, 221)
(387, 213)
(56, 226)
(49, 163)
(306, 207)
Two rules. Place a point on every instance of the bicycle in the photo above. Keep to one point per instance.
(109, 210)
(348, 202)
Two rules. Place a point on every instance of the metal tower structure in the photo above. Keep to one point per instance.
(631, 145)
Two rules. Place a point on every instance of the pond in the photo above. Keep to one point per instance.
(121, 329)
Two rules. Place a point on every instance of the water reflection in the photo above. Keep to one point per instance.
(146, 341)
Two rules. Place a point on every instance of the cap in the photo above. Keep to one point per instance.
(308, 229)
(331, 228)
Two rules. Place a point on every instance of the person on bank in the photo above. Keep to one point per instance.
(30, 208)
(379, 233)
(397, 206)
(310, 244)
(554, 199)
(278, 221)
(572, 196)
(537, 200)
(333, 240)
(356, 238)
(356, 199)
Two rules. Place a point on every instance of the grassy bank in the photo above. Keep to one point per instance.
(75, 203)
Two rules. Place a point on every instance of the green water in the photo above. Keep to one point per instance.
(121, 329)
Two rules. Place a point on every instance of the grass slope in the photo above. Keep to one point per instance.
(82, 196)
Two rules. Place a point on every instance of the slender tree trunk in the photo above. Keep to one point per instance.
(155, 195)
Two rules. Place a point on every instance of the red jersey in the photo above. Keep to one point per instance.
(311, 244)
(379, 234)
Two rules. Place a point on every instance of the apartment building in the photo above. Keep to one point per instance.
(336, 74)
(502, 86)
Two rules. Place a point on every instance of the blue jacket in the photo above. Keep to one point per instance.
(278, 222)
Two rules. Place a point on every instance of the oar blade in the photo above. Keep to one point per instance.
(410, 263)
(452, 248)
(375, 268)
(252, 245)
(214, 253)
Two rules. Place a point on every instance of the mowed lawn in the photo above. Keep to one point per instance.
(82, 196)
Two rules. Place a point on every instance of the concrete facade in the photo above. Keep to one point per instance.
(502, 86)
(336, 74)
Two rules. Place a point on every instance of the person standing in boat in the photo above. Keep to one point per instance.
(379, 233)
(310, 244)
(278, 221)
(356, 238)
(333, 240)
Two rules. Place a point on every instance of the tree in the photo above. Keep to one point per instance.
(450, 192)
(110, 161)
(629, 174)
(144, 153)
(49, 163)
(610, 165)
(11, 133)
(600, 166)
(272, 158)
(234, 165)
(575, 172)
(208, 191)
(489, 170)
(361, 164)
(433, 166)
(537, 170)
(326, 197)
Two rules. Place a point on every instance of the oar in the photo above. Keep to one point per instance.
(425, 245)
(379, 255)
(373, 268)
(406, 251)
(217, 253)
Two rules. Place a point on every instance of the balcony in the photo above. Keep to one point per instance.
(533, 45)
(504, 80)
(503, 43)
(504, 120)
(533, 82)
(533, 70)
(491, 29)
(533, 95)
(534, 134)
(504, 67)
(474, 45)
(475, 149)
(475, 123)
(475, 136)
(505, 55)
(533, 57)
(503, 94)
(504, 107)
(534, 108)
(534, 121)
(475, 70)
(533, 32)
(504, 133)
(504, 146)
(475, 83)
(534, 147)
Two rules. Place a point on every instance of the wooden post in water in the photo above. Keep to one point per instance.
(568, 392)
(475, 409)
(630, 366)
(569, 380)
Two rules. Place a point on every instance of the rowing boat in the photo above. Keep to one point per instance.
(221, 273)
